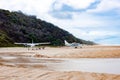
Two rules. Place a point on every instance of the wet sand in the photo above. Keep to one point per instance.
(14, 63)
(16, 73)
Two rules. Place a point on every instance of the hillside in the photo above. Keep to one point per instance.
(19, 27)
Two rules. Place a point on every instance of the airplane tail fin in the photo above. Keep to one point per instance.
(66, 43)
(32, 41)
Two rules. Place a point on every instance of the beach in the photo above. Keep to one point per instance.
(17, 63)
(66, 52)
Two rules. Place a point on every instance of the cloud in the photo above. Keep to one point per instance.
(110, 41)
(77, 4)
(61, 15)
(34, 7)
(106, 5)
(95, 34)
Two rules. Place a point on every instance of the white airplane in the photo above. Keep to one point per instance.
(76, 45)
(33, 44)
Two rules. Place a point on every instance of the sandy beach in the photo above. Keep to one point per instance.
(66, 52)
(23, 64)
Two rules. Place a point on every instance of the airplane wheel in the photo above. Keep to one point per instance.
(75, 47)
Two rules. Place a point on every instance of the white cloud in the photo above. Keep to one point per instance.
(35, 7)
(77, 4)
(80, 20)
(93, 34)
(113, 41)
(107, 5)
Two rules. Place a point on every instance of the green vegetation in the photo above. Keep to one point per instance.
(5, 40)
(18, 27)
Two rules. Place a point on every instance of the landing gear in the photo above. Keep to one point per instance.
(75, 47)
(36, 48)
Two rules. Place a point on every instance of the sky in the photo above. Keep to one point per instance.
(93, 20)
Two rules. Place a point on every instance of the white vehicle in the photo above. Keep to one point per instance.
(74, 44)
(33, 44)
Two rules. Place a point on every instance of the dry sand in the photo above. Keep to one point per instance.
(11, 71)
(66, 52)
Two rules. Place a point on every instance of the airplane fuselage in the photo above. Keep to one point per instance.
(73, 44)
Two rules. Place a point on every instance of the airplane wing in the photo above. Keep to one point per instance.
(41, 43)
(22, 43)
(33, 43)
